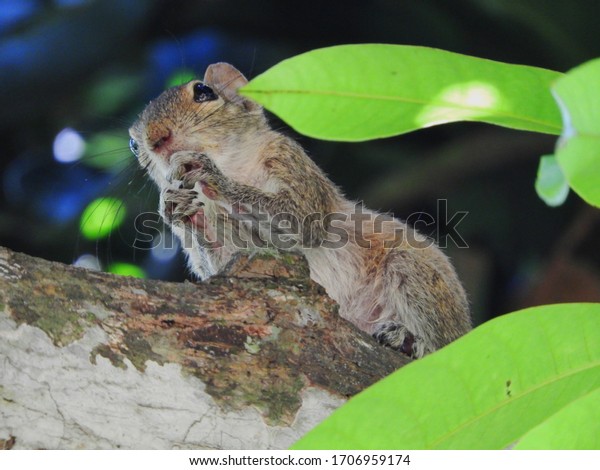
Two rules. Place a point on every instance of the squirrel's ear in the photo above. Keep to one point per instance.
(225, 79)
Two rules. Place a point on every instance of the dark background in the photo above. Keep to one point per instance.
(91, 66)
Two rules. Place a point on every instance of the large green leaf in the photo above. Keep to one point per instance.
(576, 426)
(578, 150)
(367, 91)
(484, 391)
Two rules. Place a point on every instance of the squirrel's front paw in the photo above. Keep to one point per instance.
(183, 208)
(179, 205)
(190, 168)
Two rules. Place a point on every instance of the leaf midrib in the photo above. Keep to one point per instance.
(509, 402)
(403, 99)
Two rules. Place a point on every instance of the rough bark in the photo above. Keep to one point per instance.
(251, 360)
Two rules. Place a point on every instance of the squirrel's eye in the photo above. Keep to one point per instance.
(203, 92)
(133, 146)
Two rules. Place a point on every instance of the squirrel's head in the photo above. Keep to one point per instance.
(206, 116)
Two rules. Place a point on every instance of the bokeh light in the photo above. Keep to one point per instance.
(165, 247)
(181, 76)
(70, 3)
(101, 217)
(88, 261)
(68, 146)
(127, 269)
(14, 11)
(107, 151)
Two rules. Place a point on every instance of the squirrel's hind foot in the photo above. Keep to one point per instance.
(396, 336)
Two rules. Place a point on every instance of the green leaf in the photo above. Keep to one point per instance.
(484, 391)
(368, 91)
(578, 149)
(551, 185)
(576, 426)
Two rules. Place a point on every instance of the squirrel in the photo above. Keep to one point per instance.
(228, 180)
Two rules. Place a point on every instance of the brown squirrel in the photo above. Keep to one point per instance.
(228, 181)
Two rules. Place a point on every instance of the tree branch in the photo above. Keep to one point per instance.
(251, 360)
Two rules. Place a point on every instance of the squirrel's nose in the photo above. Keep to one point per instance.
(158, 138)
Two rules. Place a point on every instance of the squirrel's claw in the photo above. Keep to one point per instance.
(190, 168)
(177, 205)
